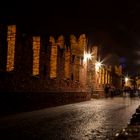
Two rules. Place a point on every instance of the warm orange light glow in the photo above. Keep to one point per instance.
(36, 55)
(106, 73)
(109, 78)
(118, 70)
(126, 79)
(67, 64)
(53, 61)
(103, 75)
(11, 38)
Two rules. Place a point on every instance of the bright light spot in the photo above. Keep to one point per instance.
(87, 56)
(126, 79)
(97, 65)
(117, 134)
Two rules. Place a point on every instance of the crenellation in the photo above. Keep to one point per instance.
(51, 64)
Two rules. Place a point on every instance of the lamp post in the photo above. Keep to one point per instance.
(87, 62)
(98, 65)
(126, 81)
(93, 72)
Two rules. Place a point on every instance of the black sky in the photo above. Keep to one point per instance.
(115, 25)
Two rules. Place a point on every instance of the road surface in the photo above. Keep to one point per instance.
(97, 119)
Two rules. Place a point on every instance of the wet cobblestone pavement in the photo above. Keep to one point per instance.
(98, 119)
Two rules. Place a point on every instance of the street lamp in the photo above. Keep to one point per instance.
(98, 65)
(87, 66)
(87, 56)
(126, 81)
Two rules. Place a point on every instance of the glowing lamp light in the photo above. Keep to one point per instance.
(126, 79)
(97, 65)
(87, 56)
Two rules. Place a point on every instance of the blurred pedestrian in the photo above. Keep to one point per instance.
(106, 89)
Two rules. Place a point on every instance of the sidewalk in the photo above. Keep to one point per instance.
(132, 131)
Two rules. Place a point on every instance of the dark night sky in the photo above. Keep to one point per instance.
(115, 25)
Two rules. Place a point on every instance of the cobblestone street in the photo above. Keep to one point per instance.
(96, 119)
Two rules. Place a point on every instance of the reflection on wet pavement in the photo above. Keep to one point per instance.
(97, 119)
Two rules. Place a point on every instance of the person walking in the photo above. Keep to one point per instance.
(106, 89)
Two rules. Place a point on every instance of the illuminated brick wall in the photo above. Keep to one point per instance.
(11, 39)
(73, 44)
(109, 78)
(106, 76)
(103, 76)
(53, 59)
(76, 69)
(99, 75)
(118, 70)
(67, 64)
(82, 44)
(36, 55)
